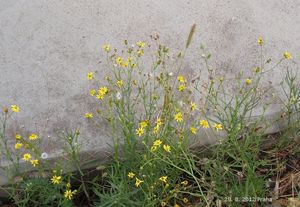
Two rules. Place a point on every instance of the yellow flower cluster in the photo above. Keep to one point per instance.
(21, 142)
(182, 82)
(157, 126)
(102, 92)
(125, 63)
(27, 158)
(204, 123)
(141, 130)
(157, 143)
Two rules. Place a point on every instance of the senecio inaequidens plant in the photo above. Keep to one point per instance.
(155, 111)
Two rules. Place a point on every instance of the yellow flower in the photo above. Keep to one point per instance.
(18, 145)
(193, 130)
(153, 148)
(92, 92)
(157, 142)
(143, 124)
(158, 122)
(178, 117)
(140, 131)
(88, 115)
(140, 44)
(119, 61)
(181, 87)
(15, 108)
(138, 182)
(68, 194)
(204, 123)
(185, 182)
(167, 148)
(287, 55)
(140, 53)
(156, 129)
(163, 203)
(34, 162)
(125, 64)
(185, 200)
(193, 106)
(68, 185)
(26, 157)
(120, 83)
(90, 75)
(99, 96)
(18, 136)
(103, 90)
(260, 41)
(163, 179)
(106, 47)
(218, 126)
(176, 205)
(131, 175)
(181, 79)
(33, 137)
(248, 81)
(56, 179)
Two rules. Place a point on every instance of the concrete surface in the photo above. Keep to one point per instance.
(48, 46)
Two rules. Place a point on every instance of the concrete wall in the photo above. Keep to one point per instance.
(48, 46)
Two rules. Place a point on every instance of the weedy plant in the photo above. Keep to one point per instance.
(155, 111)
(158, 117)
(32, 179)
